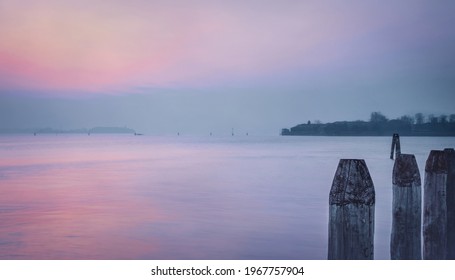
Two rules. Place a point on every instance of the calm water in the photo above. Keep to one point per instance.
(126, 197)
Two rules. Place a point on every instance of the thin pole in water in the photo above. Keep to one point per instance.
(395, 145)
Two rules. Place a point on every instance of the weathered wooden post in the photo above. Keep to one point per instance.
(405, 241)
(395, 145)
(351, 212)
(438, 215)
(450, 154)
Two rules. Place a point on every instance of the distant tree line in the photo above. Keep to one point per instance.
(380, 125)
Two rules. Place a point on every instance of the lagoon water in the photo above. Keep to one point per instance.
(127, 197)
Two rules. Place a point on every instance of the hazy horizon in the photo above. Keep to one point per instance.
(208, 66)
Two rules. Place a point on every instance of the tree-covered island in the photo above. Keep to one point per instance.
(380, 125)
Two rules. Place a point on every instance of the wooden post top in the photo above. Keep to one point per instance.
(352, 184)
(406, 171)
(438, 161)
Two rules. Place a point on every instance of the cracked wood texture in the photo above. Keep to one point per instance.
(405, 241)
(351, 212)
(439, 206)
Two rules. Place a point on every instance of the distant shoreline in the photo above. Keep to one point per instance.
(379, 125)
(367, 129)
(95, 130)
(348, 135)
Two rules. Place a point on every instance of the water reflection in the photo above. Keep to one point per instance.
(119, 197)
(74, 212)
(96, 199)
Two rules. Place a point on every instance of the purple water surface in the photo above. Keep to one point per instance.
(127, 197)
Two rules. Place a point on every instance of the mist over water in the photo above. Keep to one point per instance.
(126, 197)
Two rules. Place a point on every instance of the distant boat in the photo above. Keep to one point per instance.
(138, 134)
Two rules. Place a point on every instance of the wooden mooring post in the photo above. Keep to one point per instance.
(405, 241)
(395, 146)
(439, 206)
(450, 153)
(351, 212)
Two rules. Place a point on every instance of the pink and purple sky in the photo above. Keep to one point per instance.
(264, 64)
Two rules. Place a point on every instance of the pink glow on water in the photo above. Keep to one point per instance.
(127, 197)
(65, 213)
(137, 198)
(74, 203)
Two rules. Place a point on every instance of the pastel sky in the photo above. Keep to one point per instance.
(392, 56)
